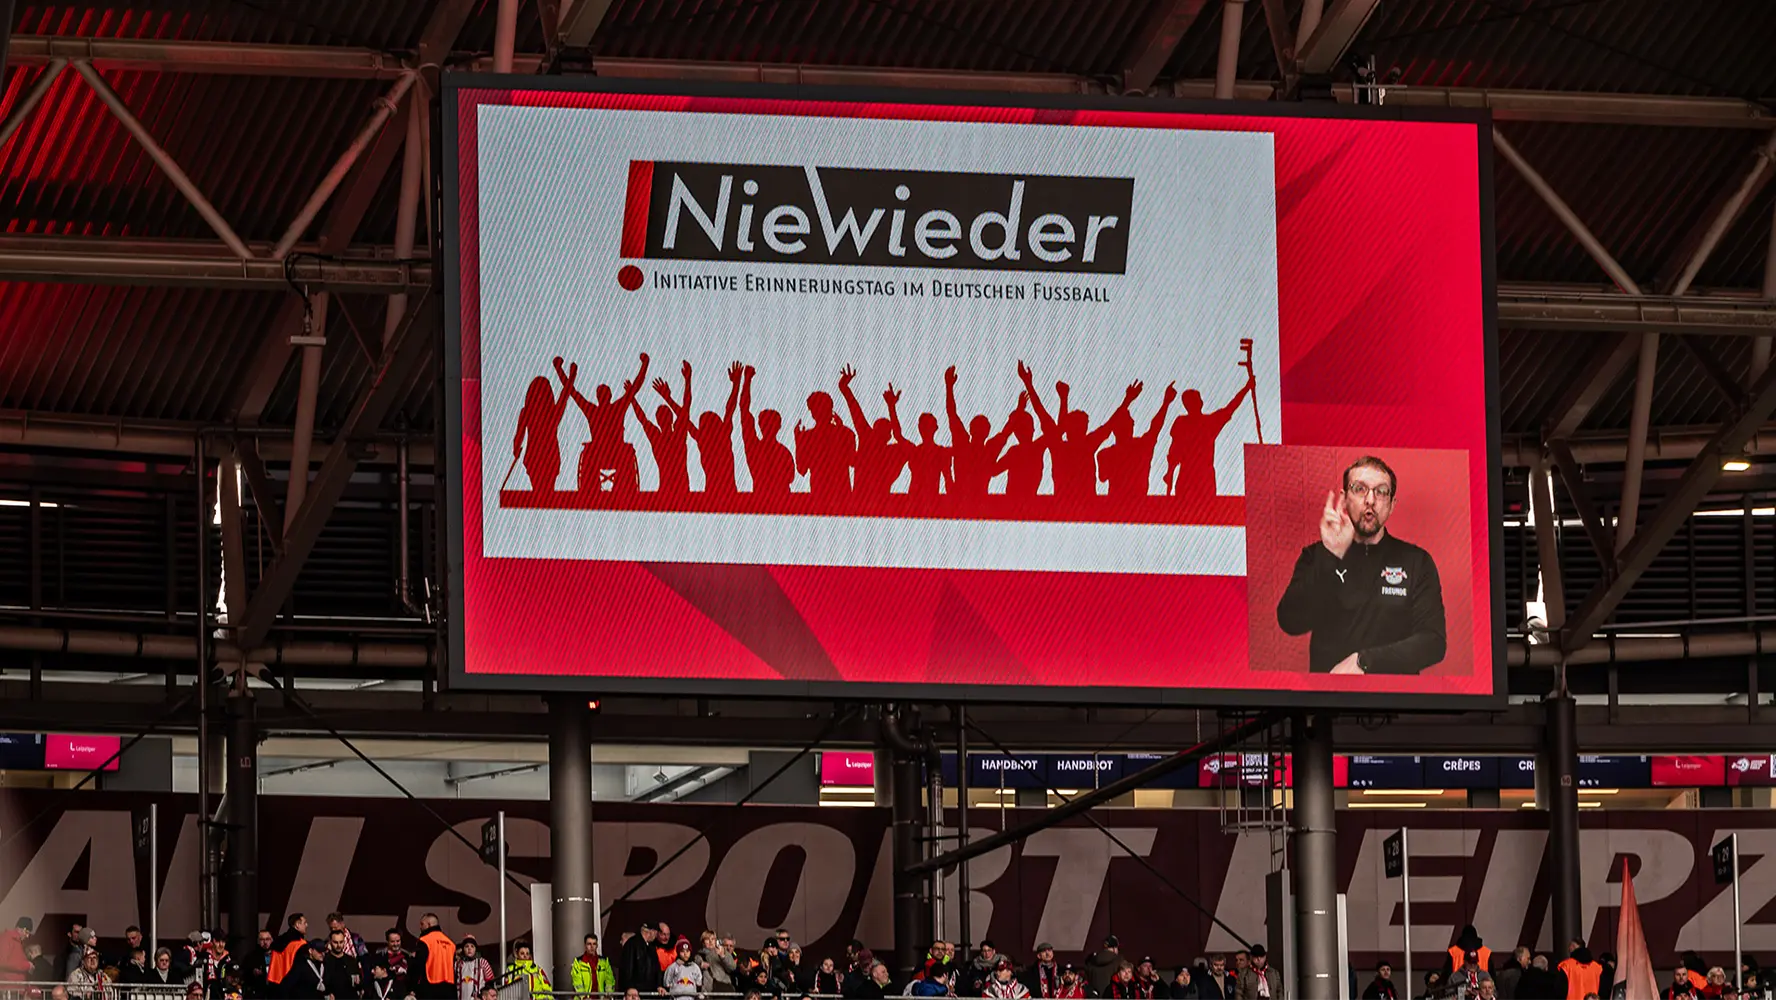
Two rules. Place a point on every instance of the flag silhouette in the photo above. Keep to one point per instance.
(1634, 966)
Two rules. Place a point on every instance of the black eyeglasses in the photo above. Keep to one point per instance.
(1359, 491)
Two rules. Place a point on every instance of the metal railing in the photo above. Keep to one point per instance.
(105, 991)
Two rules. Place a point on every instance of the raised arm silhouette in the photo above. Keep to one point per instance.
(1190, 460)
(607, 451)
(974, 449)
(667, 436)
(770, 463)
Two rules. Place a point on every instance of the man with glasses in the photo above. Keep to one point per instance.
(1373, 602)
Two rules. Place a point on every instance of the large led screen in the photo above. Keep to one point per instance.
(796, 392)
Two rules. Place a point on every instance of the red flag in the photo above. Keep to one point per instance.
(1634, 966)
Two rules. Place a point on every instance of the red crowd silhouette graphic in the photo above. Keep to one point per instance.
(852, 461)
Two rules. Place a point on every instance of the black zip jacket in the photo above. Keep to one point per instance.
(1382, 602)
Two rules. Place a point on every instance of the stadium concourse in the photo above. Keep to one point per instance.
(1251, 498)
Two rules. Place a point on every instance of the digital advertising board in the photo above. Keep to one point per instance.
(801, 392)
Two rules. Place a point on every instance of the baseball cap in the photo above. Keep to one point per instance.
(1111, 942)
(26, 924)
(1044, 946)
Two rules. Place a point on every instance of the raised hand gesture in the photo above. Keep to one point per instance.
(1062, 390)
(1023, 401)
(1134, 389)
(891, 397)
(846, 374)
(1171, 392)
(663, 389)
(1025, 375)
(750, 371)
(950, 376)
(685, 369)
(735, 370)
(644, 357)
(1336, 530)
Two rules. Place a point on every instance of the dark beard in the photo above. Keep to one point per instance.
(1357, 527)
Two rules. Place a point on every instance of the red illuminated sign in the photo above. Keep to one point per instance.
(80, 753)
(1689, 772)
(1754, 770)
(852, 769)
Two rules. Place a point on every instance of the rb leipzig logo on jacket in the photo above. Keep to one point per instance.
(1393, 576)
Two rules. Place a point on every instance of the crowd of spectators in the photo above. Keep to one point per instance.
(1471, 970)
(337, 963)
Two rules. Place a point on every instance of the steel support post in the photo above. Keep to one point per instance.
(912, 912)
(1233, 19)
(1311, 10)
(505, 35)
(407, 208)
(240, 875)
(1313, 851)
(32, 98)
(572, 914)
(385, 109)
(308, 386)
(1547, 531)
(1557, 788)
(1760, 348)
(1639, 422)
(1157, 40)
(161, 158)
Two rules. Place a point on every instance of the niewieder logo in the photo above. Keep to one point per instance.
(877, 218)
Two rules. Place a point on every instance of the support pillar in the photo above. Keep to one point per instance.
(1557, 792)
(906, 803)
(240, 873)
(572, 915)
(1314, 859)
(1233, 20)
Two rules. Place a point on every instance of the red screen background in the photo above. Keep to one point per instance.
(1382, 337)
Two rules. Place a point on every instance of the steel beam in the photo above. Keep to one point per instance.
(1695, 483)
(250, 59)
(505, 35)
(1282, 41)
(1233, 19)
(265, 499)
(1547, 532)
(345, 215)
(1640, 417)
(1093, 799)
(1535, 307)
(1680, 271)
(1579, 107)
(1730, 386)
(153, 55)
(1564, 212)
(161, 158)
(580, 22)
(1590, 515)
(384, 110)
(1612, 446)
(1154, 43)
(106, 261)
(28, 103)
(1332, 37)
(405, 350)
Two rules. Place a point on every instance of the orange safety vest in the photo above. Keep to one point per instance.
(1457, 958)
(1581, 979)
(284, 957)
(440, 963)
